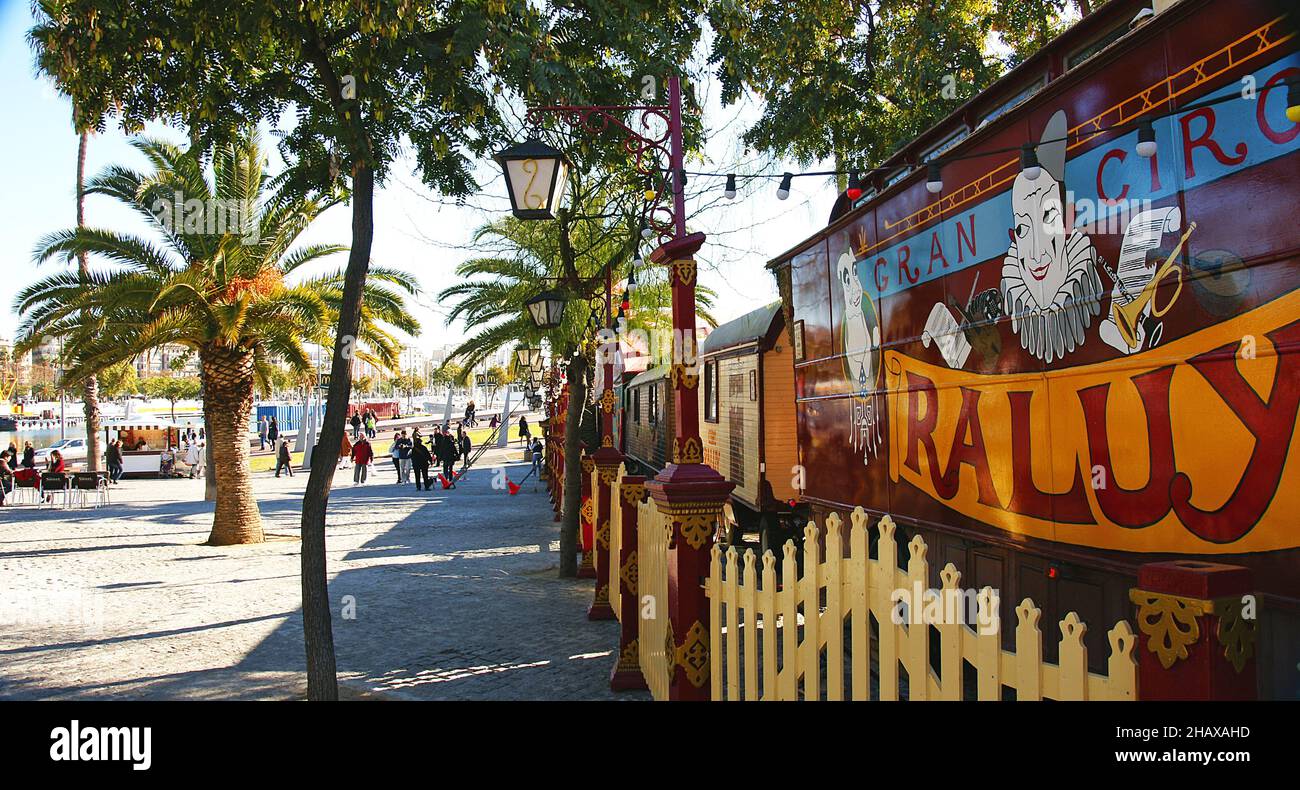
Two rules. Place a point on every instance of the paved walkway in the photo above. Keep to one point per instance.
(456, 597)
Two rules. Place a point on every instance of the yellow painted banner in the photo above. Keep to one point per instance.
(1189, 448)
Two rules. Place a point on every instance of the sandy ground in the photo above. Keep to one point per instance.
(445, 595)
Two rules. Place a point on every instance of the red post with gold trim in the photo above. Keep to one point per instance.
(689, 493)
(586, 517)
(626, 674)
(607, 460)
(1198, 623)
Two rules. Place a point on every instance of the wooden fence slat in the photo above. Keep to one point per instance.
(834, 617)
(729, 599)
(789, 623)
(1073, 659)
(859, 606)
(918, 633)
(1121, 668)
(1029, 652)
(883, 584)
(767, 608)
(714, 588)
(748, 605)
(950, 680)
(810, 586)
(988, 650)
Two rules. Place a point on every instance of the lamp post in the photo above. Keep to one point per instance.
(687, 491)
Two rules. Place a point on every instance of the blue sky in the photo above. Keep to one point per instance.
(414, 230)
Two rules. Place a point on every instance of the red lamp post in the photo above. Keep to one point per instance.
(688, 492)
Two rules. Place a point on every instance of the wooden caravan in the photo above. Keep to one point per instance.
(1056, 370)
(747, 422)
(648, 421)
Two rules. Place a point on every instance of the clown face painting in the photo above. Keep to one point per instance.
(860, 342)
(1050, 287)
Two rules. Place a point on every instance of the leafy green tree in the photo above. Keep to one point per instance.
(118, 380)
(222, 294)
(173, 389)
(855, 81)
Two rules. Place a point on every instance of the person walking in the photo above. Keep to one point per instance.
(404, 446)
(525, 437)
(395, 453)
(192, 456)
(272, 431)
(356, 426)
(262, 428)
(372, 424)
(465, 446)
(362, 455)
(284, 459)
(537, 457)
(114, 457)
(345, 452)
(420, 459)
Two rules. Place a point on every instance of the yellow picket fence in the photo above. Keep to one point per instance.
(750, 614)
(652, 583)
(615, 542)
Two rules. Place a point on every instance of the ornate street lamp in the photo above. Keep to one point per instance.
(547, 308)
(535, 177)
(528, 358)
(689, 493)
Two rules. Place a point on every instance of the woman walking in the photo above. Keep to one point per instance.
(272, 431)
(525, 437)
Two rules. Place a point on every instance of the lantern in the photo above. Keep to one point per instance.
(535, 178)
(547, 309)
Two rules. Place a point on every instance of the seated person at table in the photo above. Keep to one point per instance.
(56, 463)
(142, 445)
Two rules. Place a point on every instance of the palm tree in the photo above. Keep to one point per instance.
(90, 387)
(575, 251)
(218, 284)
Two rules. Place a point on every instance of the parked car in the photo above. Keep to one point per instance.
(72, 450)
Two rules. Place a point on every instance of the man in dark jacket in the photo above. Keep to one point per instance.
(465, 447)
(444, 448)
(420, 460)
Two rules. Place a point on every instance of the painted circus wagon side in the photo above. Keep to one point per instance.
(1056, 379)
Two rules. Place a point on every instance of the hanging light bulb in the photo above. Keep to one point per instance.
(650, 193)
(731, 187)
(631, 277)
(1293, 101)
(626, 303)
(1029, 162)
(783, 191)
(933, 179)
(1146, 146)
(646, 230)
(855, 186)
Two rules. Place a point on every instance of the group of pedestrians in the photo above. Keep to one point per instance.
(364, 421)
(412, 454)
(268, 431)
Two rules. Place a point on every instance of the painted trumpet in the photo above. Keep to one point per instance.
(1127, 315)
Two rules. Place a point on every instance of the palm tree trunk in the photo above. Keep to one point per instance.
(90, 392)
(573, 466)
(318, 631)
(227, 398)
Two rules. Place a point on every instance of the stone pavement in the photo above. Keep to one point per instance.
(455, 593)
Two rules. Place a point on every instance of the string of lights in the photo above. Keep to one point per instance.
(1146, 147)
